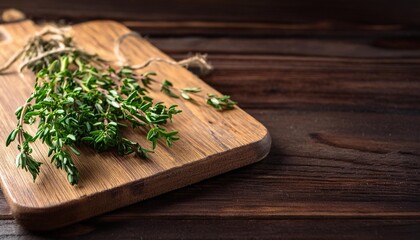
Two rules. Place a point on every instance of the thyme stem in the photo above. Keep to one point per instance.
(68, 103)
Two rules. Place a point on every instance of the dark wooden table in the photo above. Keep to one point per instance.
(337, 85)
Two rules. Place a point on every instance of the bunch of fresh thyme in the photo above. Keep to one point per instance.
(79, 99)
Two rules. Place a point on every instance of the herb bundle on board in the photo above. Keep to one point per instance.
(78, 98)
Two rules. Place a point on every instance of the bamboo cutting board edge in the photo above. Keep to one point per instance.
(51, 216)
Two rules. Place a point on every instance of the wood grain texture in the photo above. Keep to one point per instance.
(338, 93)
(211, 143)
(99, 228)
(373, 74)
(289, 11)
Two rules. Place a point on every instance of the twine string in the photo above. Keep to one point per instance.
(198, 60)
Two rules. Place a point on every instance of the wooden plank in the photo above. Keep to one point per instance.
(323, 29)
(289, 11)
(345, 84)
(372, 47)
(51, 202)
(224, 229)
(350, 75)
(260, 29)
(264, 29)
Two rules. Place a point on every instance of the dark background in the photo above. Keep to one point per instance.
(336, 83)
(286, 11)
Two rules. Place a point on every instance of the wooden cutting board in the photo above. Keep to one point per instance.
(211, 142)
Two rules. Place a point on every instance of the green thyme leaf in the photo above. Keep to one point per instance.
(220, 103)
(78, 100)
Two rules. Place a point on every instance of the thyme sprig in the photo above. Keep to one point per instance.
(77, 103)
(79, 98)
(219, 103)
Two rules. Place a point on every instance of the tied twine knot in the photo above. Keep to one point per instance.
(197, 63)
